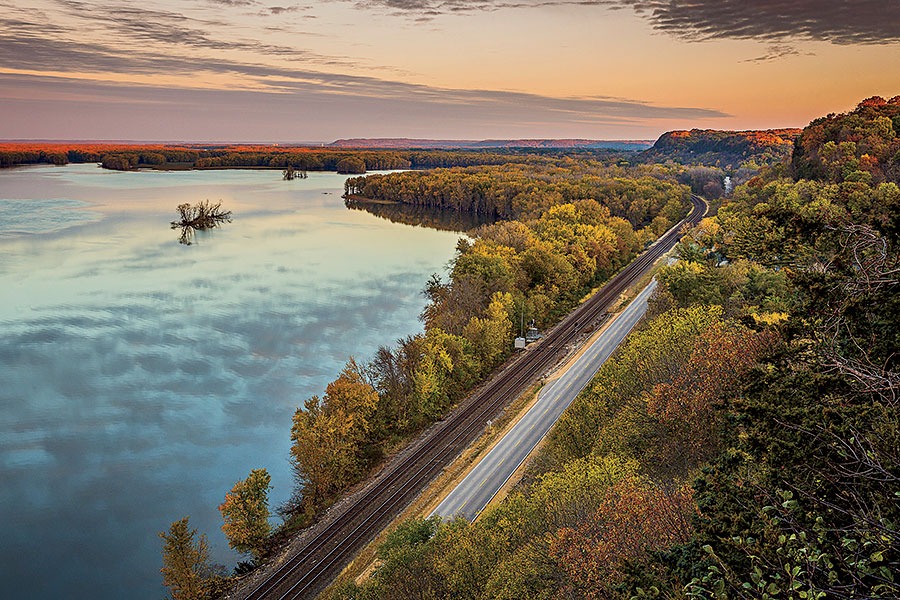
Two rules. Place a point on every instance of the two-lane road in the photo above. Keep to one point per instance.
(483, 482)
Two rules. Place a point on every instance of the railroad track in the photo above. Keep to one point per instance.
(311, 568)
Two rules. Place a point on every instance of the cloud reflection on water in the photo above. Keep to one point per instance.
(44, 216)
(140, 379)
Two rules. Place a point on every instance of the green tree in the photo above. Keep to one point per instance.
(246, 513)
(406, 562)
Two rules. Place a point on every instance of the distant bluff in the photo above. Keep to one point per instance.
(726, 149)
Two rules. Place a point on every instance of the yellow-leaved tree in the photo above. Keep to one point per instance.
(186, 569)
(329, 434)
(246, 513)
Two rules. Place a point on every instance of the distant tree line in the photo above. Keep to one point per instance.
(112, 156)
(345, 161)
(125, 157)
(526, 190)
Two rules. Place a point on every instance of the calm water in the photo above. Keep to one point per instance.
(140, 378)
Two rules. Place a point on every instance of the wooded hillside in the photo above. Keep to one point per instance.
(503, 275)
(726, 149)
(744, 442)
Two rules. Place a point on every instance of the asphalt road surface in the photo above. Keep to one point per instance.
(483, 482)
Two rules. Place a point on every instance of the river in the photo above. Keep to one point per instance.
(141, 377)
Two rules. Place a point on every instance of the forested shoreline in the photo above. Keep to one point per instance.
(125, 157)
(524, 190)
(535, 267)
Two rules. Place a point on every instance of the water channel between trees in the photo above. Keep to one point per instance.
(141, 377)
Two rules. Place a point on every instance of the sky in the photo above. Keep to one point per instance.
(279, 71)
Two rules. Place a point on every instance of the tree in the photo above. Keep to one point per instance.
(186, 569)
(406, 572)
(351, 165)
(491, 336)
(634, 519)
(447, 368)
(685, 406)
(329, 434)
(203, 215)
(246, 513)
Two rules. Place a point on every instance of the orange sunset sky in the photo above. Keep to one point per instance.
(278, 71)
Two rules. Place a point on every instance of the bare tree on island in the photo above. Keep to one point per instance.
(290, 173)
(203, 215)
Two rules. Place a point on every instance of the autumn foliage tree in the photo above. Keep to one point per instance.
(186, 569)
(862, 145)
(329, 434)
(246, 513)
(687, 406)
(634, 519)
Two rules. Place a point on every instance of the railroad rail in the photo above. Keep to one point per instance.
(311, 568)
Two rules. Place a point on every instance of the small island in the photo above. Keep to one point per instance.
(291, 173)
(203, 215)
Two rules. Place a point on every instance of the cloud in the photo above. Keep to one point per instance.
(168, 46)
(136, 35)
(313, 106)
(280, 10)
(106, 74)
(837, 21)
(134, 28)
(774, 52)
(435, 7)
(32, 53)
